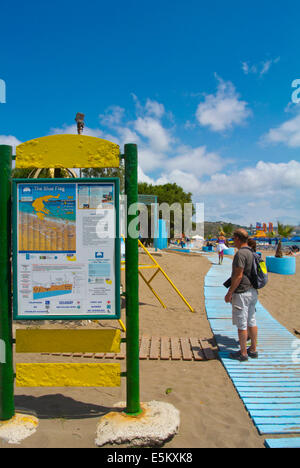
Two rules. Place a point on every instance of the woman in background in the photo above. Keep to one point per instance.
(221, 246)
(252, 244)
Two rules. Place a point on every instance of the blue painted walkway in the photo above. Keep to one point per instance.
(269, 386)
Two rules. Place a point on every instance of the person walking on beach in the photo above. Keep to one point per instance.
(243, 297)
(221, 246)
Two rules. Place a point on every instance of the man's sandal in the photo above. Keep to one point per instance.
(238, 356)
(251, 354)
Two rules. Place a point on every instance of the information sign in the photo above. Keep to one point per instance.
(66, 261)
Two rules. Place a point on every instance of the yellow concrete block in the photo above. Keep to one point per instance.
(68, 375)
(67, 341)
(67, 151)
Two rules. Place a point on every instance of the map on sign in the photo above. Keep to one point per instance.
(39, 205)
(47, 216)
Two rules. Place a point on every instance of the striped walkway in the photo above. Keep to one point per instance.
(270, 386)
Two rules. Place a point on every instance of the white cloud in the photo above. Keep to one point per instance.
(260, 181)
(10, 140)
(266, 67)
(248, 69)
(188, 181)
(158, 136)
(259, 69)
(288, 133)
(126, 135)
(113, 116)
(154, 108)
(267, 192)
(223, 110)
(196, 160)
(142, 177)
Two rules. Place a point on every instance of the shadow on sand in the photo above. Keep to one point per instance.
(59, 406)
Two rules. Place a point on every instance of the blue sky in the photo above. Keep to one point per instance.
(204, 89)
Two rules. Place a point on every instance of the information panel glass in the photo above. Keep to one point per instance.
(66, 249)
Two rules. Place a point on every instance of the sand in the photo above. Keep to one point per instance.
(212, 414)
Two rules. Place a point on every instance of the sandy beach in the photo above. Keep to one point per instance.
(212, 414)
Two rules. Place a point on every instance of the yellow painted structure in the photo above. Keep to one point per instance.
(68, 375)
(156, 265)
(67, 151)
(69, 341)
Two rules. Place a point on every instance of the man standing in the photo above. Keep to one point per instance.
(243, 297)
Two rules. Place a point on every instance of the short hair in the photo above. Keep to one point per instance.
(252, 244)
(241, 234)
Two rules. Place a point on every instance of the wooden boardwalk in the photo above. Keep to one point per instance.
(159, 348)
(269, 386)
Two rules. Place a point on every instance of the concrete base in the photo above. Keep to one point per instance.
(157, 423)
(18, 428)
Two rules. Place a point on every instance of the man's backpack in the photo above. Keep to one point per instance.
(259, 273)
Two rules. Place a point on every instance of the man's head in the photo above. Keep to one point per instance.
(240, 237)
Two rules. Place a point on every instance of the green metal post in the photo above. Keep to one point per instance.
(7, 408)
(132, 286)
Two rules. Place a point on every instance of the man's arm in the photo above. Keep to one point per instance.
(235, 281)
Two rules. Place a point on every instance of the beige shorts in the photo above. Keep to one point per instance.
(243, 309)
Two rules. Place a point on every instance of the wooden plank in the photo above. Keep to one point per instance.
(261, 390)
(264, 373)
(99, 355)
(271, 401)
(70, 341)
(208, 352)
(261, 395)
(278, 428)
(68, 375)
(280, 385)
(144, 347)
(197, 349)
(260, 380)
(175, 349)
(165, 348)
(277, 415)
(280, 420)
(186, 349)
(110, 355)
(293, 442)
(273, 406)
(154, 348)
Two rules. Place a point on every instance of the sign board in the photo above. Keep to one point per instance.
(66, 249)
